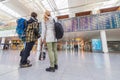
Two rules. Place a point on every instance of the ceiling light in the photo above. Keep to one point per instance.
(39, 4)
(46, 4)
(62, 4)
(9, 11)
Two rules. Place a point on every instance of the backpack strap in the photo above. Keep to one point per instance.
(54, 20)
(25, 26)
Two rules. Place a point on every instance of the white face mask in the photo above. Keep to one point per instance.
(50, 17)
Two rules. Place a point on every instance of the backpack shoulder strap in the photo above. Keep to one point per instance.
(25, 25)
(54, 20)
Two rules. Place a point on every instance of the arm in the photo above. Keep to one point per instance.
(43, 33)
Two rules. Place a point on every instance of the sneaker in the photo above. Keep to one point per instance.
(56, 66)
(25, 65)
(28, 62)
(50, 69)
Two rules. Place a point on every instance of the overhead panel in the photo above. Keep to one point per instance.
(10, 11)
(62, 6)
(47, 5)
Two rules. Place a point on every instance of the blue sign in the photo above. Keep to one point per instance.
(96, 45)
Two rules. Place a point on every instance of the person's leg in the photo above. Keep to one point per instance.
(51, 57)
(55, 53)
(26, 52)
(21, 52)
(51, 54)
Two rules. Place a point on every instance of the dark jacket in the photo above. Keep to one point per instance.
(32, 30)
(31, 20)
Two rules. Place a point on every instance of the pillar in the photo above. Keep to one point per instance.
(71, 15)
(2, 43)
(66, 44)
(10, 42)
(104, 41)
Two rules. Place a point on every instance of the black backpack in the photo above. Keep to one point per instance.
(59, 32)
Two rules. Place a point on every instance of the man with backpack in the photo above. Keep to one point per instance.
(31, 36)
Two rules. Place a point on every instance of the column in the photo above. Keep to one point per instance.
(104, 41)
(66, 44)
(95, 11)
(2, 43)
(78, 46)
(10, 42)
(71, 15)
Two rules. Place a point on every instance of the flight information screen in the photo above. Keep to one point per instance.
(108, 20)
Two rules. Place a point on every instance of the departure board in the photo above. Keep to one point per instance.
(70, 25)
(67, 25)
(94, 22)
(74, 24)
(108, 20)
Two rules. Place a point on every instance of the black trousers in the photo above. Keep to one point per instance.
(25, 53)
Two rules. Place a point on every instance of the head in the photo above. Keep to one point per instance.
(34, 15)
(47, 13)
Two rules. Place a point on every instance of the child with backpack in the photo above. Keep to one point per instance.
(31, 36)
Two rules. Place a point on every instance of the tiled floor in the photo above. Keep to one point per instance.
(72, 66)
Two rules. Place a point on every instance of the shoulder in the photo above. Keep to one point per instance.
(31, 20)
(54, 18)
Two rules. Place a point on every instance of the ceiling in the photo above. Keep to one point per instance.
(10, 10)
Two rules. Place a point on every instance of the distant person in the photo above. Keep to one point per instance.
(48, 37)
(76, 47)
(32, 34)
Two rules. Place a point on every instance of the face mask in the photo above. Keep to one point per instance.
(49, 17)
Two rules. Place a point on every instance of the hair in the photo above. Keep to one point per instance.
(34, 14)
(46, 14)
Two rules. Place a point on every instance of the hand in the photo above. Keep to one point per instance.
(44, 41)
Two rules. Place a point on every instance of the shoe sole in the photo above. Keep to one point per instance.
(25, 66)
(50, 71)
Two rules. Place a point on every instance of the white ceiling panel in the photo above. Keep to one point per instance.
(75, 3)
(4, 16)
(18, 7)
(25, 7)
